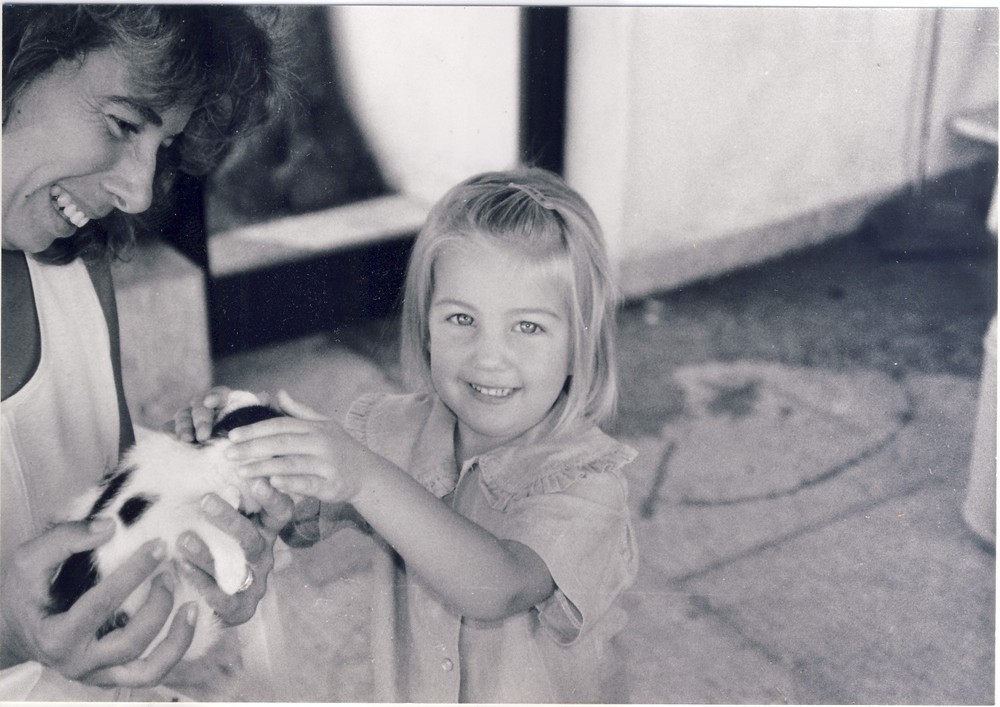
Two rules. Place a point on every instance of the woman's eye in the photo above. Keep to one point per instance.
(121, 127)
(460, 319)
(528, 328)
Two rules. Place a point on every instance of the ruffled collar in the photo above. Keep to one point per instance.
(536, 462)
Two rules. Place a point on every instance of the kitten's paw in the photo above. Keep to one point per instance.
(232, 573)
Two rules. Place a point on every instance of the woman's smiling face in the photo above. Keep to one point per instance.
(499, 340)
(76, 145)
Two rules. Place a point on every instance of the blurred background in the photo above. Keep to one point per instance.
(800, 205)
(706, 139)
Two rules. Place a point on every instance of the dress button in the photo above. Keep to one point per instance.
(447, 665)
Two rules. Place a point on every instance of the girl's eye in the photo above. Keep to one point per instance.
(528, 328)
(460, 319)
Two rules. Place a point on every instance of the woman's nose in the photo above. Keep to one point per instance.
(130, 182)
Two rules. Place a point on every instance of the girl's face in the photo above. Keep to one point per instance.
(499, 343)
(77, 144)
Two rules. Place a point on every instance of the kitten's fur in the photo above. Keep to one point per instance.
(155, 493)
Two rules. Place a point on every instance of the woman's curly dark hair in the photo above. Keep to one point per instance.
(224, 60)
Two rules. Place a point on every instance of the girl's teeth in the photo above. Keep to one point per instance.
(493, 392)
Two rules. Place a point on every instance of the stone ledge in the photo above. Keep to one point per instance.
(296, 238)
(164, 331)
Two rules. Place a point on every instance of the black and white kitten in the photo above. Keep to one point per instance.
(155, 493)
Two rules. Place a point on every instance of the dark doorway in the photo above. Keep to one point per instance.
(544, 44)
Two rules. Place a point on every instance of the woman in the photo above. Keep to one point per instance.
(101, 106)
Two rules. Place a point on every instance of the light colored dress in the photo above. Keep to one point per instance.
(565, 498)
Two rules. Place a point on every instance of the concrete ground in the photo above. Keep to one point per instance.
(804, 429)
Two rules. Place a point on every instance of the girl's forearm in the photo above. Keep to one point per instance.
(475, 573)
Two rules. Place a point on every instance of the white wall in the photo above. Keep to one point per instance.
(708, 138)
(436, 89)
(966, 78)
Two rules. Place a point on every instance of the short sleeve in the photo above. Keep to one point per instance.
(356, 421)
(584, 536)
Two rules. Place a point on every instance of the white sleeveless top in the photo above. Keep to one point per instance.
(60, 435)
(60, 431)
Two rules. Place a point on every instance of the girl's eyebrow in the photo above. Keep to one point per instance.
(451, 302)
(147, 113)
(537, 310)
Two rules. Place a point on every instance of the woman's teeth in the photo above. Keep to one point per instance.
(70, 211)
(492, 392)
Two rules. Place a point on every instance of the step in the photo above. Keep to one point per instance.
(297, 238)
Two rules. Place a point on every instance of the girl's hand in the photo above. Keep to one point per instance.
(68, 641)
(301, 454)
(255, 537)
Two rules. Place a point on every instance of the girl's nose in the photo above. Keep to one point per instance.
(130, 182)
(490, 349)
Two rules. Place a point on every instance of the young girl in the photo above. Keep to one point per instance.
(502, 506)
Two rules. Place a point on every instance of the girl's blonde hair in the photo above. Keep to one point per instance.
(533, 213)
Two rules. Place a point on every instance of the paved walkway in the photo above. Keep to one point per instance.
(852, 580)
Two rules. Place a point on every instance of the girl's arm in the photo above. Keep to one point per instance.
(475, 573)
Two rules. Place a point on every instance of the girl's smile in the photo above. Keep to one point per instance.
(499, 340)
(498, 394)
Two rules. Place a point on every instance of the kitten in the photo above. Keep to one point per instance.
(155, 492)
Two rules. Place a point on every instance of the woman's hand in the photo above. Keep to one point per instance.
(256, 537)
(194, 423)
(68, 641)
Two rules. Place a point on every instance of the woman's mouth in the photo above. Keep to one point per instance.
(67, 208)
(492, 392)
